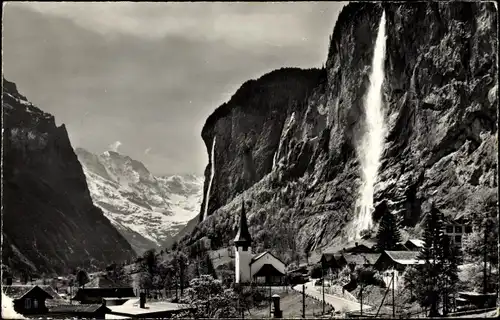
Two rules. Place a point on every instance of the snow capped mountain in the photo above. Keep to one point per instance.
(148, 210)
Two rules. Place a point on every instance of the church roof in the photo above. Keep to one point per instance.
(260, 255)
(243, 235)
(268, 270)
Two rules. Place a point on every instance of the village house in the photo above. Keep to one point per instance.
(396, 262)
(414, 244)
(101, 287)
(28, 299)
(261, 268)
(455, 230)
(359, 259)
(140, 309)
(81, 311)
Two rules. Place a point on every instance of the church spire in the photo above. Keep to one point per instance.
(243, 238)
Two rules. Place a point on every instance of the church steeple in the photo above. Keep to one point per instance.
(243, 238)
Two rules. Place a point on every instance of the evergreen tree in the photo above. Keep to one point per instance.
(428, 290)
(388, 235)
(82, 277)
(449, 279)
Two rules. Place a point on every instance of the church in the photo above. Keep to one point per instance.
(260, 268)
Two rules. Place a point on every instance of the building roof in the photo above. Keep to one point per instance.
(18, 291)
(262, 254)
(417, 242)
(268, 270)
(243, 236)
(361, 258)
(359, 248)
(80, 308)
(405, 257)
(155, 307)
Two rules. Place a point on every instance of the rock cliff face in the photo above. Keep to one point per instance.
(148, 210)
(440, 106)
(247, 130)
(49, 221)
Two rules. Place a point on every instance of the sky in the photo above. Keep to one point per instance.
(141, 78)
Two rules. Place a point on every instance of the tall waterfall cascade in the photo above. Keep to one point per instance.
(212, 174)
(284, 132)
(371, 146)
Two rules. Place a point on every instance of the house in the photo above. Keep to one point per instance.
(81, 311)
(414, 244)
(358, 248)
(331, 260)
(138, 308)
(359, 259)
(455, 229)
(28, 299)
(477, 300)
(262, 268)
(102, 287)
(394, 263)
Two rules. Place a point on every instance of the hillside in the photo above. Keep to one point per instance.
(296, 150)
(148, 210)
(49, 221)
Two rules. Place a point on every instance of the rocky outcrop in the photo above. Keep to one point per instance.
(49, 221)
(148, 210)
(247, 130)
(440, 105)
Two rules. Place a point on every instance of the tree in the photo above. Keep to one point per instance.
(449, 278)
(480, 248)
(209, 299)
(117, 273)
(388, 235)
(410, 277)
(148, 268)
(428, 290)
(82, 277)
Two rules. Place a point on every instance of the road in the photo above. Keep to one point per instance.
(340, 304)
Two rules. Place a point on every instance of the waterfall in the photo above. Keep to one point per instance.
(284, 132)
(372, 144)
(212, 174)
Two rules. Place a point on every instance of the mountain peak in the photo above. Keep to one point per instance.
(148, 210)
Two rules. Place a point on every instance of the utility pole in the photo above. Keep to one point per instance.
(323, 285)
(303, 301)
(393, 303)
(270, 301)
(361, 300)
(485, 256)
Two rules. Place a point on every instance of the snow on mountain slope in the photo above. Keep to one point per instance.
(148, 210)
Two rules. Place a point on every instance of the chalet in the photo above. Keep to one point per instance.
(28, 299)
(358, 248)
(81, 311)
(455, 229)
(395, 262)
(262, 268)
(332, 261)
(138, 308)
(414, 244)
(477, 300)
(102, 287)
(359, 259)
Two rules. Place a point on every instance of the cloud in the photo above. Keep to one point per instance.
(240, 24)
(115, 146)
(140, 72)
